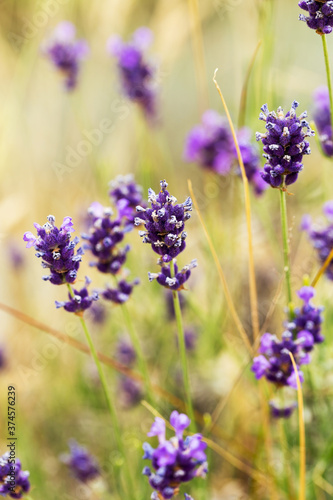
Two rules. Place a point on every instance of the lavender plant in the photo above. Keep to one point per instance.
(82, 465)
(137, 74)
(322, 119)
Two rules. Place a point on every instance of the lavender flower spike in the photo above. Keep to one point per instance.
(136, 73)
(126, 194)
(320, 15)
(65, 52)
(56, 249)
(284, 145)
(14, 482)
(174, 461)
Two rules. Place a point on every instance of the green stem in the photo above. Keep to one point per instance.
(182, 350)
(137, 346)
(328, 74)
(112, 410)
(284, 223)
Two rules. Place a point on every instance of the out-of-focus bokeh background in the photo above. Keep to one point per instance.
(43, 128)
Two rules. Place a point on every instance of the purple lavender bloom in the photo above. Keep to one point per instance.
(174, 461)
(56, 249)
(126, 195)
(3, 360)
(282, 412)
(251, 161)
(188, 497)
(210, 144)
(275, 363)
(82, 465)
(322, 119)
(80, 301)
(66, 53)
(122, 293)
(16, 256)
(136, 72)
(176, 282)
(14, 481)
(164, 223)
(320, 15)
(125, 353)
(103, 240)
(321, 238)
(307, 321)
(129, 391)
(284, 145)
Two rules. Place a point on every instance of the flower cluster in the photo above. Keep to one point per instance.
(282, 412)
(175, 461)
(164, 225)
(320, 15)
(14, 481)
(284, 145)
(322, 119)
(129, 390)
(126, 195)
(82, 465)
(65, 52)
(56, 249)
(121, 293)
(103, 239)
(79, 301)
(136, 73)
(321, 237)
(211, 145)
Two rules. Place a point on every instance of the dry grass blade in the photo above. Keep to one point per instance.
(322, 269)
(225, 287)
(243, 101)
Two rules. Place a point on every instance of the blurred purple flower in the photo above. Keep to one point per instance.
(13, 482)
(125, 353)
(122, 293)
(3, 360)
(282, 412)
(136, 72)
(174, 461)
(129, 391)
(284, 144)
(322, 119)
(321, 238)
(15, 255)
(56, 249)
(211, 145)
(65, 52)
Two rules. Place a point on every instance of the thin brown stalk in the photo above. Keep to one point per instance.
(243, 100)
(252, 279)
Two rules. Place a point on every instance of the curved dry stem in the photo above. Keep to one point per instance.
(252, 278)
(322, 269)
